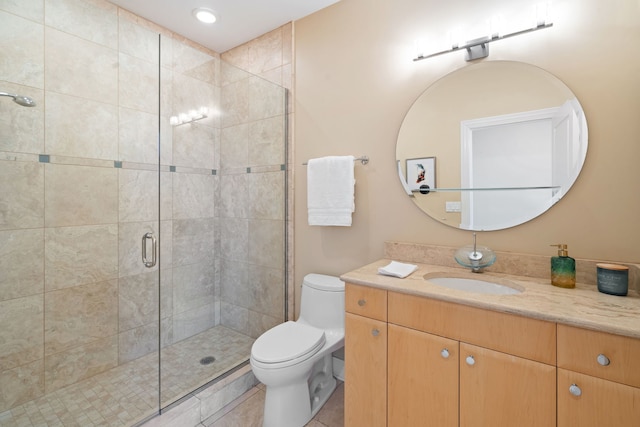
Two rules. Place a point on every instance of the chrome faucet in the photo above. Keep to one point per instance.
(475, 257)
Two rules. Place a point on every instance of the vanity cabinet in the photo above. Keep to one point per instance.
(598, 379)
(411, 361)
(415, 361)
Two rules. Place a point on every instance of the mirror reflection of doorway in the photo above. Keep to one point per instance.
(530, 150)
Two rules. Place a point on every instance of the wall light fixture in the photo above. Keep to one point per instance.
(192, 116)
(479, 47)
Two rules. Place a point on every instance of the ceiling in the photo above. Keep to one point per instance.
(238, 20)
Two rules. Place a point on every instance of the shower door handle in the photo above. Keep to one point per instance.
(145, 240)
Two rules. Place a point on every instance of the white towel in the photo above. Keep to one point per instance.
(397, 269)
(330, 190)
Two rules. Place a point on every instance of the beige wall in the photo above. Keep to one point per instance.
(355, 82)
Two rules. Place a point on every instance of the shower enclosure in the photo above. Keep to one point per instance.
(142, 215)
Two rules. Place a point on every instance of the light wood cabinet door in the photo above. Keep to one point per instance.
(497, 389)
(365, 392)
(422, 379)
(585, 401)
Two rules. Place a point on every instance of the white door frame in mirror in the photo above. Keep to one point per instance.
(529, 151)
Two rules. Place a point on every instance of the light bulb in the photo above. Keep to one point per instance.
(456, 38)
(543, 13)
(496, 26)
(419, 48)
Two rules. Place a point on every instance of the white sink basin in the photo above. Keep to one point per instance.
(475, 285)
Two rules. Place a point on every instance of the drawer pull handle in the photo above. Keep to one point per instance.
(471, 361)
(362, 302)
(375, 332)
(445, 353)
(603, 360)
(575, 390)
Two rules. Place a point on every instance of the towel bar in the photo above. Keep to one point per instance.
(363, 159)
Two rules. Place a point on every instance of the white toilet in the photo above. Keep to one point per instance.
(293, 360)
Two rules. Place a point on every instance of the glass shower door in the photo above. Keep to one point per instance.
(190, 118)
(226, 269)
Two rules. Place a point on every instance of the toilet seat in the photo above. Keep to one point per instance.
(287, 342)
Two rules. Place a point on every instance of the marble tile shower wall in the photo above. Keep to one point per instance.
(251, 209)
(78, 189)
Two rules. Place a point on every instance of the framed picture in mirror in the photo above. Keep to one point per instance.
(420, 172)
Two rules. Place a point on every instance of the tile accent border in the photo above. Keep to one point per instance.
(121, 164)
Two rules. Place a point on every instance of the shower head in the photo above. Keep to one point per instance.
(25, 101)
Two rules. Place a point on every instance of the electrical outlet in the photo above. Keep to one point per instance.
(453, 206)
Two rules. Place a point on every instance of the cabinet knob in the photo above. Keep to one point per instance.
(471, 361)
(375, 332)
(603, 360)
(575, 390)
(445, 353)
(362, 302)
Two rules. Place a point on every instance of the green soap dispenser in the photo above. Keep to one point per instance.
(563, 268)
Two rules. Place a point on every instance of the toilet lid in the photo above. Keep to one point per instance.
(287, 341)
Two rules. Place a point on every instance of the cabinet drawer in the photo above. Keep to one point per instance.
(366, 301)
(579, 350)
(595, 402)
(520, 336)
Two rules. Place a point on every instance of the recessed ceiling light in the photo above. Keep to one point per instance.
(205, 15)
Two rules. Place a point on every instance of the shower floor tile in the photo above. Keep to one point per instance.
(128, 393)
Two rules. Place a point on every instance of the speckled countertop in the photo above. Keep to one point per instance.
(582, 306)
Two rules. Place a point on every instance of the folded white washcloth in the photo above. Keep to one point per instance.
(397, 269)
(330, 190)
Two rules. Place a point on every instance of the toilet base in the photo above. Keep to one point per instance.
(322, 398)
(287, 406)
(294, 405)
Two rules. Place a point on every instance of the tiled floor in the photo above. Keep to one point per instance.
(128, 393)
(246, 411)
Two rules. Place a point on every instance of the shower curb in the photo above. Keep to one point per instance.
(207, 401)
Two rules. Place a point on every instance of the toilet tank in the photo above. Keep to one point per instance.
(322, 301)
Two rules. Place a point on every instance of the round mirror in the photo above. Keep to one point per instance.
(491, 145)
